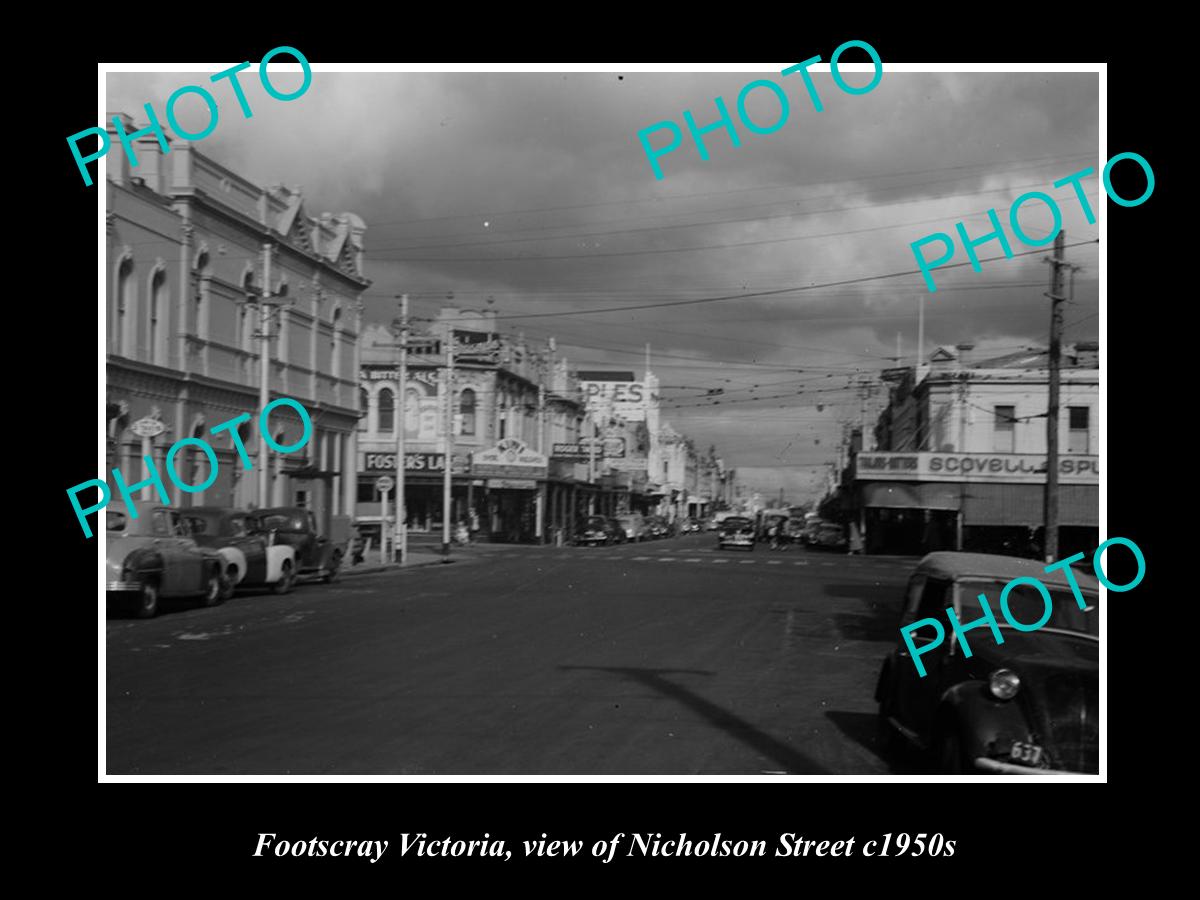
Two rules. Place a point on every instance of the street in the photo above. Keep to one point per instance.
(667, 657)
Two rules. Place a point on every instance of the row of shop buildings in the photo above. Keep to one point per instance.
(957, 458)
(206, 269)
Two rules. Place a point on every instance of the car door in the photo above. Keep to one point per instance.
(254, 548)
(174, 578)
(916, 696)
(320, 543)
(191, 558)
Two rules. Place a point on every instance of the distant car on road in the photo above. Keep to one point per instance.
(657, 527)
(317, 555)
(831, 536)
(251, 557)
(736, 531)
(596, 531)
(690, 525)
(635, 526)
(1027, 706)
(152, 557)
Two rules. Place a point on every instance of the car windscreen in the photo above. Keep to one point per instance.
(276, 522)
(1027, 606)
(597, 524)
(732, 523)
(115, 520)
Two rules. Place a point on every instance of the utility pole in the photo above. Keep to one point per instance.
(591, 417)
(448, 441)
(400, 544)
(264, 375)
(1057, 263)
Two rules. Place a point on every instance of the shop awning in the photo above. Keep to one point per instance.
(988, 504)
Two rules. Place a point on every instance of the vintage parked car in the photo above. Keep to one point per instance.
(690, 525)
(1027, 706)
(152, 557)
(317, 555)
(596, 531)
(736, 531)
(831, 536)
(812, 527)
(635, 527)
(656, 527)
(252, 558)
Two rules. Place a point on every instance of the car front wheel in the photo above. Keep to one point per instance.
(286, 576)
(335, 569)
(147, 601)
(951, 758)
(215, 588)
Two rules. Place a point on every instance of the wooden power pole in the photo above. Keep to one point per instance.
(1057, 264)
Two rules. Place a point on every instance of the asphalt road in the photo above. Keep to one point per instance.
(661, 658)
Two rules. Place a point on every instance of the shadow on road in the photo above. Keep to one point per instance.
(863, 729)
(792, 761)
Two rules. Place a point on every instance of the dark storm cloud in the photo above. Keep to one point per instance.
(532, 189)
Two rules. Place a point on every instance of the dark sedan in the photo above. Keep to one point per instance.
(736, 531)
(317, 555)
(1029, 705)
(596, 531)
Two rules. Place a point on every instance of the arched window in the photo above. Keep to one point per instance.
(466, 408)
(122, 339)
(412, 413)
(364, 403)
(158, 317)
(387, 411)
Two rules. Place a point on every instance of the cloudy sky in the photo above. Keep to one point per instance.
(529, 193)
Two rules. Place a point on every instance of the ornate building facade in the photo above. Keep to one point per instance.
(195, 252)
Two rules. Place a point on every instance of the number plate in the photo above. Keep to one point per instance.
(1030, 754)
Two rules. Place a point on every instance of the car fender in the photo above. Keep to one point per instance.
(144, 562)
(981, 718)
(232, 556)
(276, 556)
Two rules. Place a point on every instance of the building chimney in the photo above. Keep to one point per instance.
(965, 354)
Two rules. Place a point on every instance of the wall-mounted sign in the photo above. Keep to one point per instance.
(413, 462)
(569, 451)
(512, 484)
(148, 427)
(1024, 468)
(510, 458)
(623, 398)
(384, 483)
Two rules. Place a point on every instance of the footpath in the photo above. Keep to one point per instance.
(424, 551)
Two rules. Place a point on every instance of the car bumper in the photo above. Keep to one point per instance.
(998, 767)
(122, 586)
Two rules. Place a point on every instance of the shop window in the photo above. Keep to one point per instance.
(466, 408)
(1004, 431)
(367, 492)
(387, 411)
(1077, 440)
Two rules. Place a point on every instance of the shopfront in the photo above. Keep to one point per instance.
(423, 479)
(512, 477)
(916, 503)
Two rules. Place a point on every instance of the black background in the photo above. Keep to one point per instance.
(182, 836)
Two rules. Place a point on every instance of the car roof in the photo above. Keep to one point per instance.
(955, 565)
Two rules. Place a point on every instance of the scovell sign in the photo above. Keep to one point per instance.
(509, 459)
(1025, 468)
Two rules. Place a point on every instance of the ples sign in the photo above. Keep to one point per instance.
(621, 394)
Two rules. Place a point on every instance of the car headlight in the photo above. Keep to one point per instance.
(1004, 684)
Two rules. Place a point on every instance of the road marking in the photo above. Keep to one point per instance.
(641, 558)
(774, 562)
(799, 564)
(693, 559)
(720, 561)
(747, 562)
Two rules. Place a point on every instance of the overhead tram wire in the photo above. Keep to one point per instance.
(788, 215)
(769, 187)
(377, 251)
(774, 293)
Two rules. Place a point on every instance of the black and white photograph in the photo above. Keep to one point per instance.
(586, 421)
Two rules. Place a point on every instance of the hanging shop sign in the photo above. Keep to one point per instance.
(510, 458)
